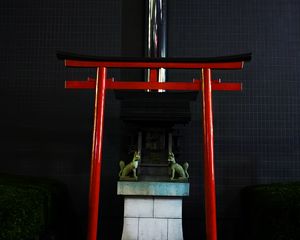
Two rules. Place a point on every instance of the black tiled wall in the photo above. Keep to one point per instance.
(46, 130)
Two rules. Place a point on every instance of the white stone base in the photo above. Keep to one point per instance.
(152, 218)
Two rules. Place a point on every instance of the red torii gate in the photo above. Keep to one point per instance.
(206, 84)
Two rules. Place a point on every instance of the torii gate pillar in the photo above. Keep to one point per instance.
(95, 176)
(208, 148)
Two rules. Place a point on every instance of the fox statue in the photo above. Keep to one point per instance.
(126, 170)
(177, 169)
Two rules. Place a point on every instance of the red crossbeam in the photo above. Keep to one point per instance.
(153, 65)
(196, 85)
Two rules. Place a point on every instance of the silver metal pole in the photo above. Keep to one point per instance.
(156, 42)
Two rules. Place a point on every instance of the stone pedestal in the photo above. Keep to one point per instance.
(152, 210)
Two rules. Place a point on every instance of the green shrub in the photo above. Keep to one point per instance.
(28, 206)
(272, 212)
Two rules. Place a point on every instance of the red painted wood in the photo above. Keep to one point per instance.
(180, 65)
(153, 75)
(208, 139)
(153, 86)
(183, 86)
(226, 86)
(95, 176)
(73, 84)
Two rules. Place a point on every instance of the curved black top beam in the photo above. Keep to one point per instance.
(231, 58)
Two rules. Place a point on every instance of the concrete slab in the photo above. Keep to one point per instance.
(138, 207)
(168, 207)
(153, 229)
(130, 229)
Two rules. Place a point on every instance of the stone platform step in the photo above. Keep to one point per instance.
(145, 188)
